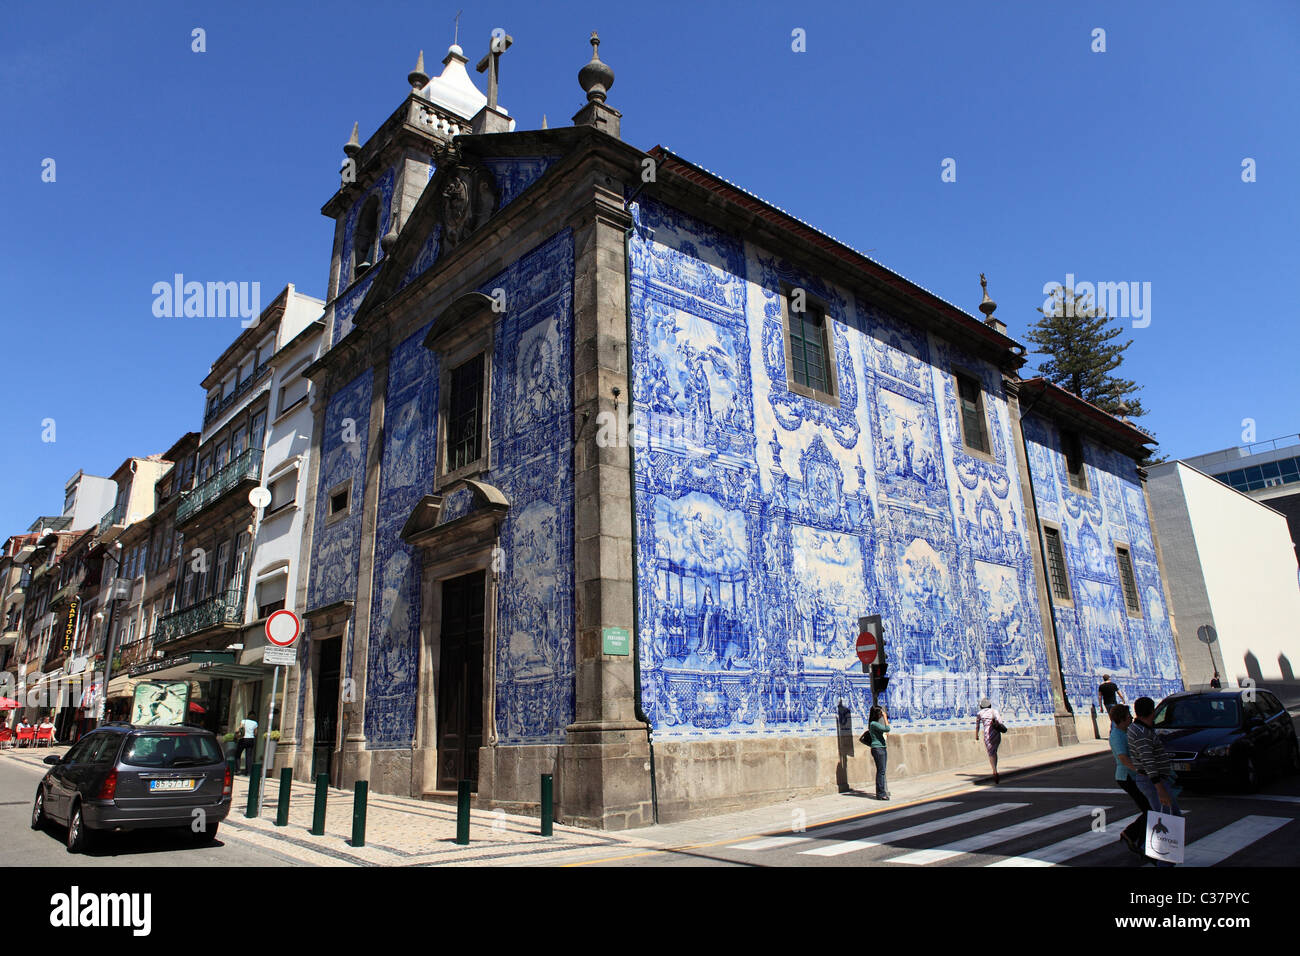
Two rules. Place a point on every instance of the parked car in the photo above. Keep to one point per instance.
(1225, 736)
(123, 777)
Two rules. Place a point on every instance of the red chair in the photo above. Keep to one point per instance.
(25, 737)
(45, 736)
(6, 737)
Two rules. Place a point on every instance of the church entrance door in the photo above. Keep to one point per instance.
(460, 681)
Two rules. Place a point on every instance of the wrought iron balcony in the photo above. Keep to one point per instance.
(116, 516)
(226, 607)
(247, 464)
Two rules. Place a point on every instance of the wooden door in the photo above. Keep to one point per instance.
(460, 681)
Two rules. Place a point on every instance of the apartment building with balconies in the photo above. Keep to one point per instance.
(251, 404)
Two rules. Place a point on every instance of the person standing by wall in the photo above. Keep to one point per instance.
(989, 728)
(247, 741)
(1120, 718)
(1214, 681)
(877, 727)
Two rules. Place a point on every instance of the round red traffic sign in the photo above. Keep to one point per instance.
(867, 648)
(282, 628)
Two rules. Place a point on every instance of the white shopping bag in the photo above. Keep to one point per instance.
(1164, 837)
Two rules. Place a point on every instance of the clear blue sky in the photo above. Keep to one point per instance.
(1115, 166)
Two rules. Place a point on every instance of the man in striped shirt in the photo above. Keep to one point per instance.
(1155, 771)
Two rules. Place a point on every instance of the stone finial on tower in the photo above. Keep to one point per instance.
(988, 306)
(417, 77)
(353, 145)
(595, 79)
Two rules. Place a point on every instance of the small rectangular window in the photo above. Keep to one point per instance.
(1056, 564)
(340, 500)
(1129, 582)
(970, 399)
(1072, 448)
(465, 414)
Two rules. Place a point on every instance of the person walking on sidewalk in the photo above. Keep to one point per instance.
(1133, 834)
(1155, 771)
(989, 728)
(877, 727)
(1107, 692)
(247, 741)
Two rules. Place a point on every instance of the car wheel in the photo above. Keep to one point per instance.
(38, 809)
(78, 835)
(1249, 775)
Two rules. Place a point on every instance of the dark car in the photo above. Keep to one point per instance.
(1227, 736)
(124, 777)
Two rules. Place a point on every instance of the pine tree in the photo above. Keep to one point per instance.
(1078, 342)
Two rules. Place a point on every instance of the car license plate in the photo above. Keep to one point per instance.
(168, 786)
(1182, 766)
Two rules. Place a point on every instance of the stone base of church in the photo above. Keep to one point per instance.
(701, 778)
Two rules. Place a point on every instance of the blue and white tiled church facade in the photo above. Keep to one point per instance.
(765, 521)
(768, 522)
(1096, 632)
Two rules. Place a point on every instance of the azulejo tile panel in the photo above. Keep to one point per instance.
(336, 544)
(755, 562)
(532, 464)
(1097, 633)
(410, 423)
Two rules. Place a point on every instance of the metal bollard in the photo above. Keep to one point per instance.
(462, 813)
(359, 813)
(282, 805)
(254, 779)
(318, 811)
(548, 803)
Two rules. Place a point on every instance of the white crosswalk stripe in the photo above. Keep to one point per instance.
(993, 837)
(1068, 849)
(1222, 843)
(1209, 850)
(879, 839)
(769, 843)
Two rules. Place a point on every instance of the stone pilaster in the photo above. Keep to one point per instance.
(1065, 722)
(605, 763)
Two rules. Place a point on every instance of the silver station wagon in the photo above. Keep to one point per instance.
(124, 777)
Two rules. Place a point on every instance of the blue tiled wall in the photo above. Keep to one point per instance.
(531, 448)
(1096, 633)
(768, 522)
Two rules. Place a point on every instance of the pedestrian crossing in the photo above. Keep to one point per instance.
(1068, 834)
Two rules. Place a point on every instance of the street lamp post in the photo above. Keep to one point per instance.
(109, 642)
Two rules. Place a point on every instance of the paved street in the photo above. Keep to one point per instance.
(1039, 818)
(1042, 814)
(22, 846)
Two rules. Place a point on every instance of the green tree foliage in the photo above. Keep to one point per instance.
(1078, 342)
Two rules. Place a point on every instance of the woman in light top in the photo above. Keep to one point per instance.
(988, 727)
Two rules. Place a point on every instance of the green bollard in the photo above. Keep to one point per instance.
(282, 805)
(359, 813)
(462, 813)
(253, 779)
(318, 811)
(548, 803)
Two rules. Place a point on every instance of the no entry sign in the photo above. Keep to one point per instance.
(867, 648)
(868, 639)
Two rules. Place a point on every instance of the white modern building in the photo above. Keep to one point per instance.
(1232, 568)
